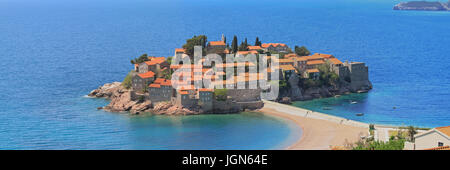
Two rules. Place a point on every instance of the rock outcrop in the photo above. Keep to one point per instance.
(125, 100)
(310, 93)
(423, 6)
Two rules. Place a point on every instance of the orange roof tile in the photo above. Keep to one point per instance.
(285, 60)
(234, 64)
(287, 67)
(439, 148)
(313, 57)
(217, 43)
(159, 80)
(315, 62)
(324, 55)
(179, 50)
(314, 70)
(298, 58)
(335, 61)
(155, 86)
(148, 74)
(291, 55)
(254, 47)
(183, 92)
(206, 90)
(166, 83)
(247, 52)
(265, 45)
(155, 60)
(445, 130)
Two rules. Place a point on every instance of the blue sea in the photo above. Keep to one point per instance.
(54, 52)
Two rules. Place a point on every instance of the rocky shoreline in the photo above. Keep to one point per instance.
(297, 92)
(423, 6)
(125, 100)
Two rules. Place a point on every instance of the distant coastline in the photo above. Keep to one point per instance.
(423, 6)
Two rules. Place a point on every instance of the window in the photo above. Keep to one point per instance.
(440, 144)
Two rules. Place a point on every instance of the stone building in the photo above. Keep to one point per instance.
(287, 71)
(140, 81)
(312, 73)
(205, 99)
(358, 75)
(160, 90)
(155, 65)
(216, 47)
(311, 64)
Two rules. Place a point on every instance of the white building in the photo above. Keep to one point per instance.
(436, 137)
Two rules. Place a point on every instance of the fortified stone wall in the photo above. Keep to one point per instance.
(244, 95)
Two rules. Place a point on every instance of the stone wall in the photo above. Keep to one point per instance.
(244, 95)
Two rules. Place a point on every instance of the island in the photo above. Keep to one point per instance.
(297, 74)
(423, 6)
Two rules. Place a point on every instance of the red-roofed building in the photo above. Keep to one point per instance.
(436, 138)
(154, 64)
(278, 47)
(161, 90)
(140, 81)
(312, 73)
(217, 47)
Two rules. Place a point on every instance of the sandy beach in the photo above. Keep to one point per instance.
(320, 131)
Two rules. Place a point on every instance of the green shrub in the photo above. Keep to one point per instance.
(221, 94)
(127, 80)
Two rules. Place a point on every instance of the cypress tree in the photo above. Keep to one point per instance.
(234, 45)
(257, 42)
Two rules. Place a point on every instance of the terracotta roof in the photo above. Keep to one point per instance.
(254, 47)
(159, 80)
(291, 55)
(179, 50)
(314, 70)
(183, 92)
(285, 60)
(166, 83)
(439, 148)
(314, 57)
(206, 90)
(445, 130)
(217, 43)
(146, 75)
(324, 55)
(287, 67)
(298, 58)
(234, 64)
(265, 45)
(314, 62)
(247, 52)
(155, 60)
(155, 86)
(335, 61)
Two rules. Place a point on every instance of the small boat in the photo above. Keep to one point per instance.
(353, 102)
(337, 96)
(359, 114)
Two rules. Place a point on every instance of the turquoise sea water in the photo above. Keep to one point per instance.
(55, 52)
